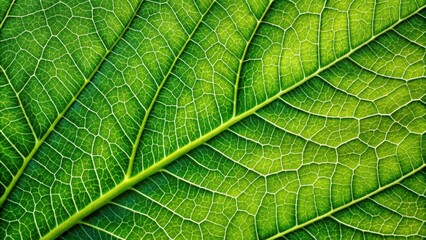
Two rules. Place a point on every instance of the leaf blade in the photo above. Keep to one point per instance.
(239, 130)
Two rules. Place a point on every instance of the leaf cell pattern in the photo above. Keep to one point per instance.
(212, 119)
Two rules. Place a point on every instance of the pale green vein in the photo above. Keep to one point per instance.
(20, 105)
(13, 146)
(366, 69)
(7, 13)
(240, 65)
(393, 235)
(26, 159)
(129, 182)
(101, 230)
(411, 41)
(141, 214)
(330, 213)
(61, 115)
(148, 111)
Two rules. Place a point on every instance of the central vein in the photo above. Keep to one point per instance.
(129, 181)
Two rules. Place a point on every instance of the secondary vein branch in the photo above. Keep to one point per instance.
(129, 182)
(7, 13)
(240, 65)
(65, 110)
(330, 213)
(148, 111)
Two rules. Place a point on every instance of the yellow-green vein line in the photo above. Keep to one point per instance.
(127, 183)
(259, 21)
(59, 117)
(7, 13)
(20, 105)
(148, 111)
(330, 213)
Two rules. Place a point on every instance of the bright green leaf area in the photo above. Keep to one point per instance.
(192, 119)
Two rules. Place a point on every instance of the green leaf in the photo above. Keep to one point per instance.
(212, 119)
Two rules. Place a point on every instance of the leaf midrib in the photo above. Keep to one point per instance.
(129, 182)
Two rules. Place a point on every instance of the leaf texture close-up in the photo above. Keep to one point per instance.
(204, 119)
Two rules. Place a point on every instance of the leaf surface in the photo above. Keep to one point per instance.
(212, 119)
